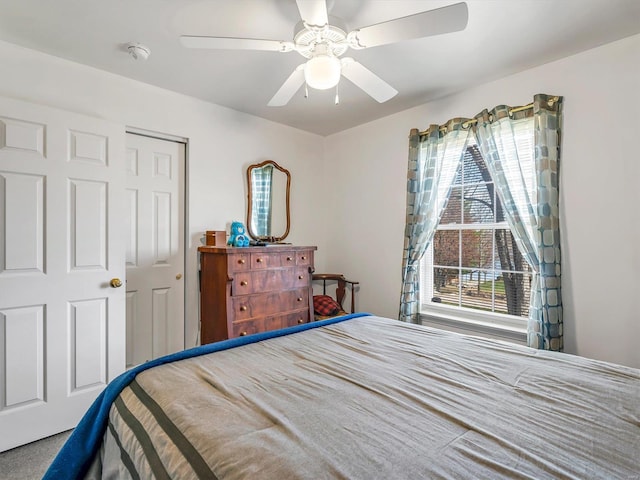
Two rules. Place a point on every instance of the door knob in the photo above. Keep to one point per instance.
(115, 283)
(178, 276)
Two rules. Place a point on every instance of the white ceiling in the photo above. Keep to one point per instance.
(502, 37)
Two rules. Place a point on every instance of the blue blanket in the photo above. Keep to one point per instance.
(76, 455)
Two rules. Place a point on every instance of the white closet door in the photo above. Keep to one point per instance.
(155, 247)
(62, 229)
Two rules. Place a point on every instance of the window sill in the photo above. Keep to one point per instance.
(497, 326)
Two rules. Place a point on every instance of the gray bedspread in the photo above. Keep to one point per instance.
(373, 398)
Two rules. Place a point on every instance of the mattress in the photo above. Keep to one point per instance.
(369, 397)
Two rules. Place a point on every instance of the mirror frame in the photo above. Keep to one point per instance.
(250, 201)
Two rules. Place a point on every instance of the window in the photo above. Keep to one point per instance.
(473, 267)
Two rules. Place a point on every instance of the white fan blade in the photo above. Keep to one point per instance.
(313, 12)
(228, 43)
(368, 81)
(452, 18)
(288, 88)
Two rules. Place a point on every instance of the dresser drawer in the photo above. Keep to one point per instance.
(242, 284)
(272, 260)
(302, 277)
(239, 262)
(304, 258)
(288, 259)
(259, 281)
(295, 318)
(298, 298)
(289, 320)
(258, 305)
(248, 327)
(265, 260)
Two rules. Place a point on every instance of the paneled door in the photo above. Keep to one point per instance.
(155, 247)
(62, 315)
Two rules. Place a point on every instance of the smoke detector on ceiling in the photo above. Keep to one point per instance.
(138, 51)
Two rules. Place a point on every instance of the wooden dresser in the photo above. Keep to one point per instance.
(254, 289)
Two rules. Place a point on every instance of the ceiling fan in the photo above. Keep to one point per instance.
(323, 43)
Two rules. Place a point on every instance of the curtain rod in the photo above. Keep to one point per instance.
(470, 122)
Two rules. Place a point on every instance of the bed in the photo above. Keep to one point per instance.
(361, 397)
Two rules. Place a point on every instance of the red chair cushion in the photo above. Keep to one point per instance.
(325, 305)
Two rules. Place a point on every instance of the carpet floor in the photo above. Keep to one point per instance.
(30, 462)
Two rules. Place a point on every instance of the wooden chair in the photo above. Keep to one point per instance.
(342, 285)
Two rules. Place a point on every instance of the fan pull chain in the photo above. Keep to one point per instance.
(337, 95)
(306, 91)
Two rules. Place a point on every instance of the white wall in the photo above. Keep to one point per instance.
(600, 193)
(222, 143)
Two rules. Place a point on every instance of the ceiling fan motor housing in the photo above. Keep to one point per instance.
(333, 35)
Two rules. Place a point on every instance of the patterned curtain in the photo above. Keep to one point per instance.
(262, 182)
(434, 158)
(530, 201)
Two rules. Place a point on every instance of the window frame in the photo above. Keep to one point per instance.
(493, 323)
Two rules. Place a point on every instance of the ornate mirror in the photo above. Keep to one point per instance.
(268, 207)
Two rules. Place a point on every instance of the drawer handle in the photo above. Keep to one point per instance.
(259, 260)
(303, 257)
(300, 277)
(241, 261)
(300, 320)
(299, 299)
(243, 308)
(289, 259)
(243, 334)
(243, 283)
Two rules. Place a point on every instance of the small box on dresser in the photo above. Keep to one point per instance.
(254, 289)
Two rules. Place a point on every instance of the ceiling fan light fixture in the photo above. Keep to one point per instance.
(322, 72)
